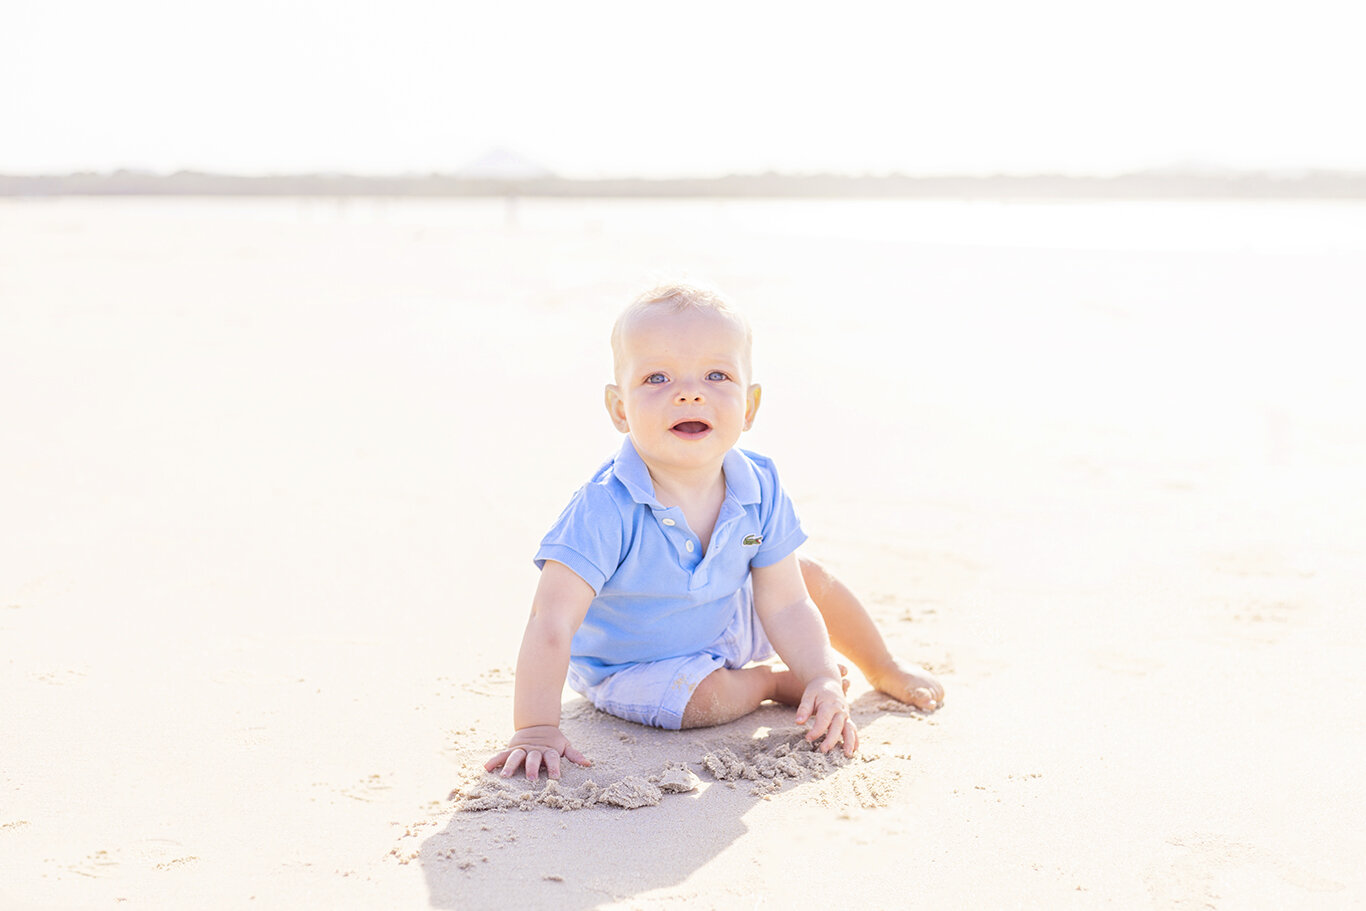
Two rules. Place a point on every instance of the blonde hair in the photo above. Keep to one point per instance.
(679, 298)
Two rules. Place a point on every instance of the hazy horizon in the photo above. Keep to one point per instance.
(465, 171)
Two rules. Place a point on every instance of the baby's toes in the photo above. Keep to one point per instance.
(923, 699)
(911, 689)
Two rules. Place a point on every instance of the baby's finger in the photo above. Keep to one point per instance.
(514, 760)
(850, 738)
(575, 756)
(552, 764)
(835, 733)
(806, 706)
(533, 765)
(496, 761)
(825, 714)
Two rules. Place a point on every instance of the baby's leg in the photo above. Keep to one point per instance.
(729, 693)
(853, 633)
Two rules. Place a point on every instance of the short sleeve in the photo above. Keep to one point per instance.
(782, 530)
(587, 537)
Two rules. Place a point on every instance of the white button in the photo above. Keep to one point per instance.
(667, 521)
(688, 545)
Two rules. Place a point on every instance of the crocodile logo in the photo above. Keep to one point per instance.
(751, 540)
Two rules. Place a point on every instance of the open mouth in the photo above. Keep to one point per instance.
(690, 428)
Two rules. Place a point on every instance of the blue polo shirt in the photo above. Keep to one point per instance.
(657, 595)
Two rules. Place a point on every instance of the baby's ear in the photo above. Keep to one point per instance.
(616, 409)
(752, 396)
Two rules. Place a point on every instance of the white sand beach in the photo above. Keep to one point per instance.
(272, 473)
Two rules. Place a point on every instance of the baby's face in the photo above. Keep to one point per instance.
(682, 389)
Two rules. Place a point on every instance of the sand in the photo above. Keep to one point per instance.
(271, 475)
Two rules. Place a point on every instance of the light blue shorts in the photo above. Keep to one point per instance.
(656, 692)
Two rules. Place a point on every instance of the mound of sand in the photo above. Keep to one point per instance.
(629, 793)
(868, 780)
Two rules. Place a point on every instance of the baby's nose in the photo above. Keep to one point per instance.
(686, 398)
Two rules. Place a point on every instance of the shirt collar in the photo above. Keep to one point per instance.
(741, 481)
(631, 472)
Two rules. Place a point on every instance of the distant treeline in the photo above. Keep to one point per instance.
(1155, 184)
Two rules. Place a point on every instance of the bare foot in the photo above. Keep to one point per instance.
(913, 686)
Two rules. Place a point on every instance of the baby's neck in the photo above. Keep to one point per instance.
(670, 493)
(699, 496)
(688, 484)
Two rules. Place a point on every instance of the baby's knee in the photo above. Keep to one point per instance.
(711, 700)
(726, 694)
(709, 691)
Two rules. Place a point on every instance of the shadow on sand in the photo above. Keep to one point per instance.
(581, 859)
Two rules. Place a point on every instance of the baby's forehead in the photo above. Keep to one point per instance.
(660, 329)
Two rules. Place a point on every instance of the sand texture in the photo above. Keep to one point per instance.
(271, 475)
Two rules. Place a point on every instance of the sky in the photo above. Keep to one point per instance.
(593, 89)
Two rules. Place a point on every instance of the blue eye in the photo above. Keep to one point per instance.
(655, 379)
(716, 376)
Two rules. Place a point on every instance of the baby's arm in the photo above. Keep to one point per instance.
(557, 610)
(794, 626)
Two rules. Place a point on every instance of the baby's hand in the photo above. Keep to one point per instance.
(532, 746)
(823, 702)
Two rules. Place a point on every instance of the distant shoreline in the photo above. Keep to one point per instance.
(1139, 185)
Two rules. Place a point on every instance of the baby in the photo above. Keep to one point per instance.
(675, 568)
